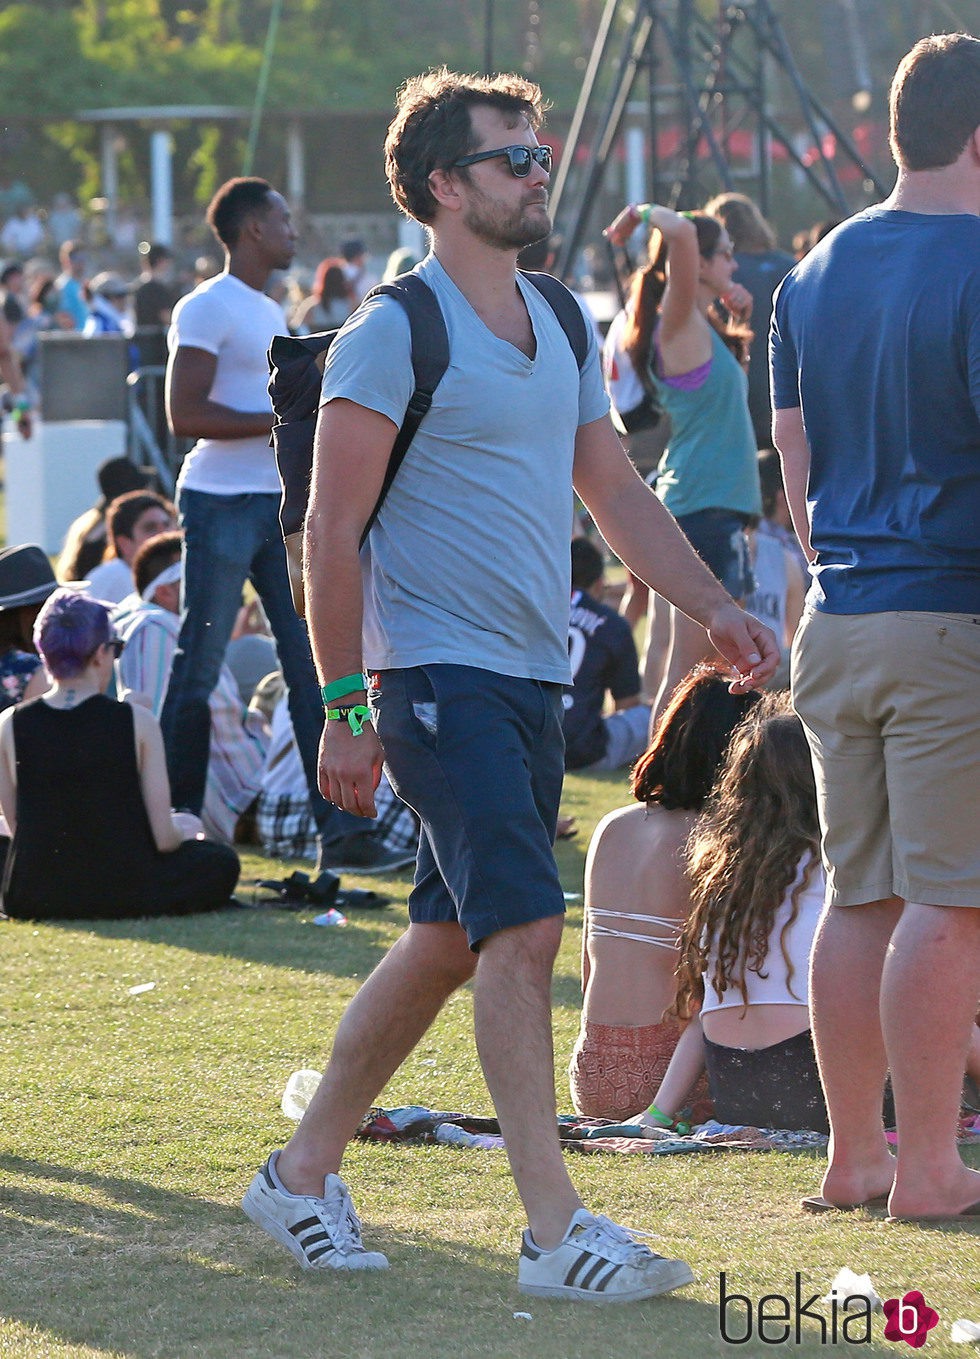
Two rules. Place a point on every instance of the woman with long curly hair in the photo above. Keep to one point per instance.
(687, 332)
(757, 890)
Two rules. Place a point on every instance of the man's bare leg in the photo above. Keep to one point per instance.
(633, 605)
(380, 1027)
(845, 982)
(653, 662)
(928, 1002)
(512, 1017)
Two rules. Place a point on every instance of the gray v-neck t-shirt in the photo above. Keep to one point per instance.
(468, 562)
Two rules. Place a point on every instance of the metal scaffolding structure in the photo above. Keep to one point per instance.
(707, 86)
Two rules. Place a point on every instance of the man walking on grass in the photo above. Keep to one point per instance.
(876, 379)
(458, 609)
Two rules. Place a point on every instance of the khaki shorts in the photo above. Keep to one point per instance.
(891, 707)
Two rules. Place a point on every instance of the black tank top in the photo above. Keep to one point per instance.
(83, 844)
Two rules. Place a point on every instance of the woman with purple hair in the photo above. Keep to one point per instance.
(84, 789)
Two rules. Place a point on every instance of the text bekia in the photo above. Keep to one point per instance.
(777, 1319)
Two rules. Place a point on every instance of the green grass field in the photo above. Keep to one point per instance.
(132, 1123)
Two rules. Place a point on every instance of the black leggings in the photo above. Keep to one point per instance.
(197, 876)
(774, 1087)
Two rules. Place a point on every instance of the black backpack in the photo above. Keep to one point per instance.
(296, 372)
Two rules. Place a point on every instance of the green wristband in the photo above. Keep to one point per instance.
(340, 688)
(664, 1120)
(355, 715)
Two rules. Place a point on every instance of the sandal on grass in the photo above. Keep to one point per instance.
(359, 899)
(297, 892)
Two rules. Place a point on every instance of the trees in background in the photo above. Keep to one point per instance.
(61, 56)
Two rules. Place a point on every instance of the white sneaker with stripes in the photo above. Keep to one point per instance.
(597, 1261)
(322, 1233)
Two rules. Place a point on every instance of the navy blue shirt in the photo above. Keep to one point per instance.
(876, 335)
(603, 657)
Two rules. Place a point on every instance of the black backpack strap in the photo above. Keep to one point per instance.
(568, 311)
(430, 359)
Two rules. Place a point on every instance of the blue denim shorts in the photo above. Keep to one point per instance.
(480, 757)
(718, 537)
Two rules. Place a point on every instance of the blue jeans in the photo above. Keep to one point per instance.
(228, 539)
(718, 537)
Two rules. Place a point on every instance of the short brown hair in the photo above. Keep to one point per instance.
(155, 555)
(934, 104)
(122, 514)
(431, 129)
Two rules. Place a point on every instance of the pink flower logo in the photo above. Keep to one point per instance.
(910, 1319)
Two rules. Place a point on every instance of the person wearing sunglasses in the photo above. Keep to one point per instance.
(519, 158)
(458, 611)
(84, 791)
(676, 337)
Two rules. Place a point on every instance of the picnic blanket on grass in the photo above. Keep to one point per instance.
(415, 1123)
(590, 1136)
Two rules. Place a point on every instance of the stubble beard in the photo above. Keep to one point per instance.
(531, 223)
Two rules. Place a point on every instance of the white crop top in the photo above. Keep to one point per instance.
(772, 989)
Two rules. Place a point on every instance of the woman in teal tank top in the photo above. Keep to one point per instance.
(677, 335)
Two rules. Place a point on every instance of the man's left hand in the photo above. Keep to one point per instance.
(748, 645)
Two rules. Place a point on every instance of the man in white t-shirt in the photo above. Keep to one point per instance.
(228, 498)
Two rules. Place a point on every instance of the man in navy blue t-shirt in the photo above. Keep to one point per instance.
(875, 351)
(603, 658)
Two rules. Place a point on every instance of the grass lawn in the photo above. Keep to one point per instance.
(132, 1123)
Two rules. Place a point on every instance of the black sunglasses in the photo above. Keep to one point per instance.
(520, 158)
(117, 646)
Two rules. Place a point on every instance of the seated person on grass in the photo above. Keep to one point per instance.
(130, 520)
(26, 581)
(757, 894)
(603, 660)
(757, 890)
(84, 790)
(148, 621)
(637, 898)
(86, 541)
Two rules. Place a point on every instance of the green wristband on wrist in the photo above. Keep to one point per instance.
(354, 714)
(663, 1119)
(350, 684)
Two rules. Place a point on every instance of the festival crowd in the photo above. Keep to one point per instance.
(777, 932)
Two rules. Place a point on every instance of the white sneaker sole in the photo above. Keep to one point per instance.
(254, 1208)
(673, 1274)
